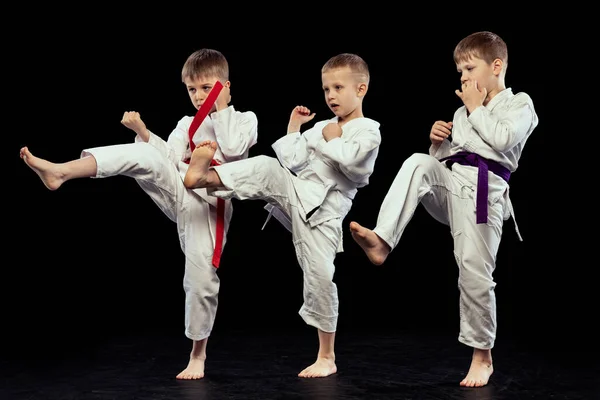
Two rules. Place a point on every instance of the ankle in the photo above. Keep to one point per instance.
(483, 356)
(198, 357)
(326, 356)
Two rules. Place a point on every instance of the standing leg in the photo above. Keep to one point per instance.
(196, 221)
(316, 249)
(200, 303)
(195, 367)
(475, 249)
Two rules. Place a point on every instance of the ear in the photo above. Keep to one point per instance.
(227, 84)
(497, 66)
(362, 89)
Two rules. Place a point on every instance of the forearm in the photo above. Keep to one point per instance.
(291, 151)
(293, 127)
(235, 132)
(143, 134)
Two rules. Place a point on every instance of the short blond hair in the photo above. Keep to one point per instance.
(353, 61)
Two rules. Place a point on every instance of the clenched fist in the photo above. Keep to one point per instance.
(223, 99)
(133, 121)
(300, 115)
(440, 131)
(331, 131)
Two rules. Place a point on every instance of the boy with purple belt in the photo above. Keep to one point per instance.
(463, 183)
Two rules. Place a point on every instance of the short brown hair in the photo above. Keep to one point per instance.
(205, 63)
(353, 61)
(485, 45)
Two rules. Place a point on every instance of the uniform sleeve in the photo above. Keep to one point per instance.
(440, 151)
(355, 157)
(504, 129)
(176, 146)
(235, 132)
(292, 149)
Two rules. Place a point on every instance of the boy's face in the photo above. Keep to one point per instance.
(343, 91)
(199, 88)
(476, 69)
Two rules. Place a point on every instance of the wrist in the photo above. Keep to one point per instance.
(144, 134)
(472, 107)
(293, 127)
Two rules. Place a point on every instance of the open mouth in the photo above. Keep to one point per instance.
(334, 105)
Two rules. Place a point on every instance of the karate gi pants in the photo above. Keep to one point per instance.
(195, 217)
(449, 196)
(263, 178)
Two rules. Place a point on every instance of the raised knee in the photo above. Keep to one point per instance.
(419, 160)
(266, 160)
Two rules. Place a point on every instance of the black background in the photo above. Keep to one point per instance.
(97, 259)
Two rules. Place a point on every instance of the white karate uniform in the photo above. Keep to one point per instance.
(311, 186)
(497, 132)
(159, 168)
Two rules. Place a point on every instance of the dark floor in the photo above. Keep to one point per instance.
(242, 366)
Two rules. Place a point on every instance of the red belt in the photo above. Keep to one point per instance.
(198, 118)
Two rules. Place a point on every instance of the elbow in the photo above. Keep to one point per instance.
(239, 148)
(234, 153)
(294, 165)
(503, 146)
(506, 138)
(357, 176)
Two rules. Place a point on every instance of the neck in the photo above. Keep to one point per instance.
(357, 113)
(492, 93)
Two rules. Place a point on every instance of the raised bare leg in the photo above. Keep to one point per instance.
(53, 175)
(195, 368)
(376, 248)
(325, 364)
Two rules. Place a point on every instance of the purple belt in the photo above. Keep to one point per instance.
(483, 165)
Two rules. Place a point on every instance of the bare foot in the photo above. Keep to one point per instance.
(376, 248)
(321, 368)
(48, 172)
(194, 370)
(197, 175)
(480, 371)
